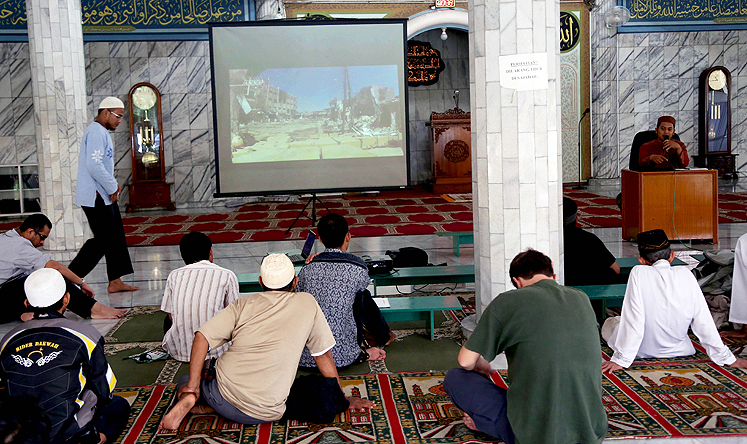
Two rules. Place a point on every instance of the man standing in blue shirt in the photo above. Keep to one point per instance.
(97, 192)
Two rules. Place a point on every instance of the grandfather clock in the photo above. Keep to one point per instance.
(149, 187)
(714, 144)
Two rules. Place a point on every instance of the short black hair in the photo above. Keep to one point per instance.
(37, 222)
(54, 307)
(195, 247)
(528, 264)
(570, 210)
(653, 256)
(332, 230)
(288, 287)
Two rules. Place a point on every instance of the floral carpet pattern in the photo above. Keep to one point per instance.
(654, 398)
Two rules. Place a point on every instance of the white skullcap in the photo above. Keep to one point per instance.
(277, 271)
(111, 103)
(44, 287)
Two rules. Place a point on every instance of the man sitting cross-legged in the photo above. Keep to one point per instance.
(549, 334)
(253, 378)
(61, 364)
(738, 307)
(20, 256)
(661, 303)
(194, 294)
(338, 281)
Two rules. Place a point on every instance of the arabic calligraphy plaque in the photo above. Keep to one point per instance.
(424, 63)
(570, 31)
(133, 15)
(699, 14)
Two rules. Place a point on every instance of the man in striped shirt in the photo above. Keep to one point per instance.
(194, 294)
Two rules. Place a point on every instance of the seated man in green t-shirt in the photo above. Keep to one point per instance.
(549, 333)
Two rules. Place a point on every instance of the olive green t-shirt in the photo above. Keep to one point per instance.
(268, 332)
(549, 333)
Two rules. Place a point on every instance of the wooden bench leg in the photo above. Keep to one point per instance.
(455, 248)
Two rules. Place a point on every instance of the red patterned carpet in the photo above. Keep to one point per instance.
(391, 213)
(418, 213)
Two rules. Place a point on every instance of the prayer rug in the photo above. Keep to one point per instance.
(410, 408)
(675, 397)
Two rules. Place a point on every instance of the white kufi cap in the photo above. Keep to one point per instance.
(277, 271)
(44, 287)
(111, 103)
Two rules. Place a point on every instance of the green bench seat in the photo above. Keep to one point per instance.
(419, 308)
(606, 294)
(459, 238)
(452, 274)
(627, 263)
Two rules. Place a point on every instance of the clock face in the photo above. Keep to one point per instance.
(717, 80)
(144, 97)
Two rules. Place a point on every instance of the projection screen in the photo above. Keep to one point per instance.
(309, 106)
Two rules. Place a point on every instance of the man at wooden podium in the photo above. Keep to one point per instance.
(663, 153)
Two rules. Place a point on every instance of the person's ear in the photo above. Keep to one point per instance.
(295, 282)
(348, 236)
(210, 256)
(642, 261)
(671, 256)
(26, 303)
(65, 299)
(517, 282)
(555, 276)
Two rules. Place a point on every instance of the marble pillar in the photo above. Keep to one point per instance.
(515, 140)
(58, 81)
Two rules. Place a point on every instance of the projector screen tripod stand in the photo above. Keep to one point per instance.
(312, 200)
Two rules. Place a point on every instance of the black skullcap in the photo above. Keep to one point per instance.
(569, 211)
(652, 240)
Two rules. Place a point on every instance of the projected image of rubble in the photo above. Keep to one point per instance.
(316, 113)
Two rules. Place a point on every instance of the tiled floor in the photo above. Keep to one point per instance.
(153, 264)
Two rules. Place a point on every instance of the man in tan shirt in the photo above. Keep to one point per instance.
(253, 378)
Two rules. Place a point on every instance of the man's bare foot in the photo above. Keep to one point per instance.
(469, 423)
(392, 338)
(360, 403)
(375, 354)
(117, 285)
(201, 409)
(739, 334)
(174, 417)
(101, 311)
(27, 317)
(102, 438)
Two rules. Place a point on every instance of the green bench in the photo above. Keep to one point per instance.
(459, 238)
(452, 274)
(419, 308)
(627, 263)
(606, 294)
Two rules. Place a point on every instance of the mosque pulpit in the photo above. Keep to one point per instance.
(451, 139)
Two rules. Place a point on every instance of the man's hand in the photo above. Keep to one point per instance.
(609, 367)
(311, 257)
(670, 145)
(739, 363)
(657, 159)
(483, 366)
(115, 197)
(360, 403)
(186, 389)
(86, 289)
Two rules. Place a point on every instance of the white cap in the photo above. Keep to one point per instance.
(277, 271)
(111, 103)
(44, 287)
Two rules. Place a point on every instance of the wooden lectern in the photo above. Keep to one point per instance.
(649, 199)
(451, 138)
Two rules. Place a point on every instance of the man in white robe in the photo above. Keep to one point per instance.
(738, 308)
(661, 303)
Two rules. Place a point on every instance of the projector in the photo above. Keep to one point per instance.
(378, 265)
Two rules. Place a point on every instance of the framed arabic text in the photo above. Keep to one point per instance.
(684, 15)
(126, 16)
(424, 63)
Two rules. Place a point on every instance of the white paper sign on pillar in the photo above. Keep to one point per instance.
(524, 72)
